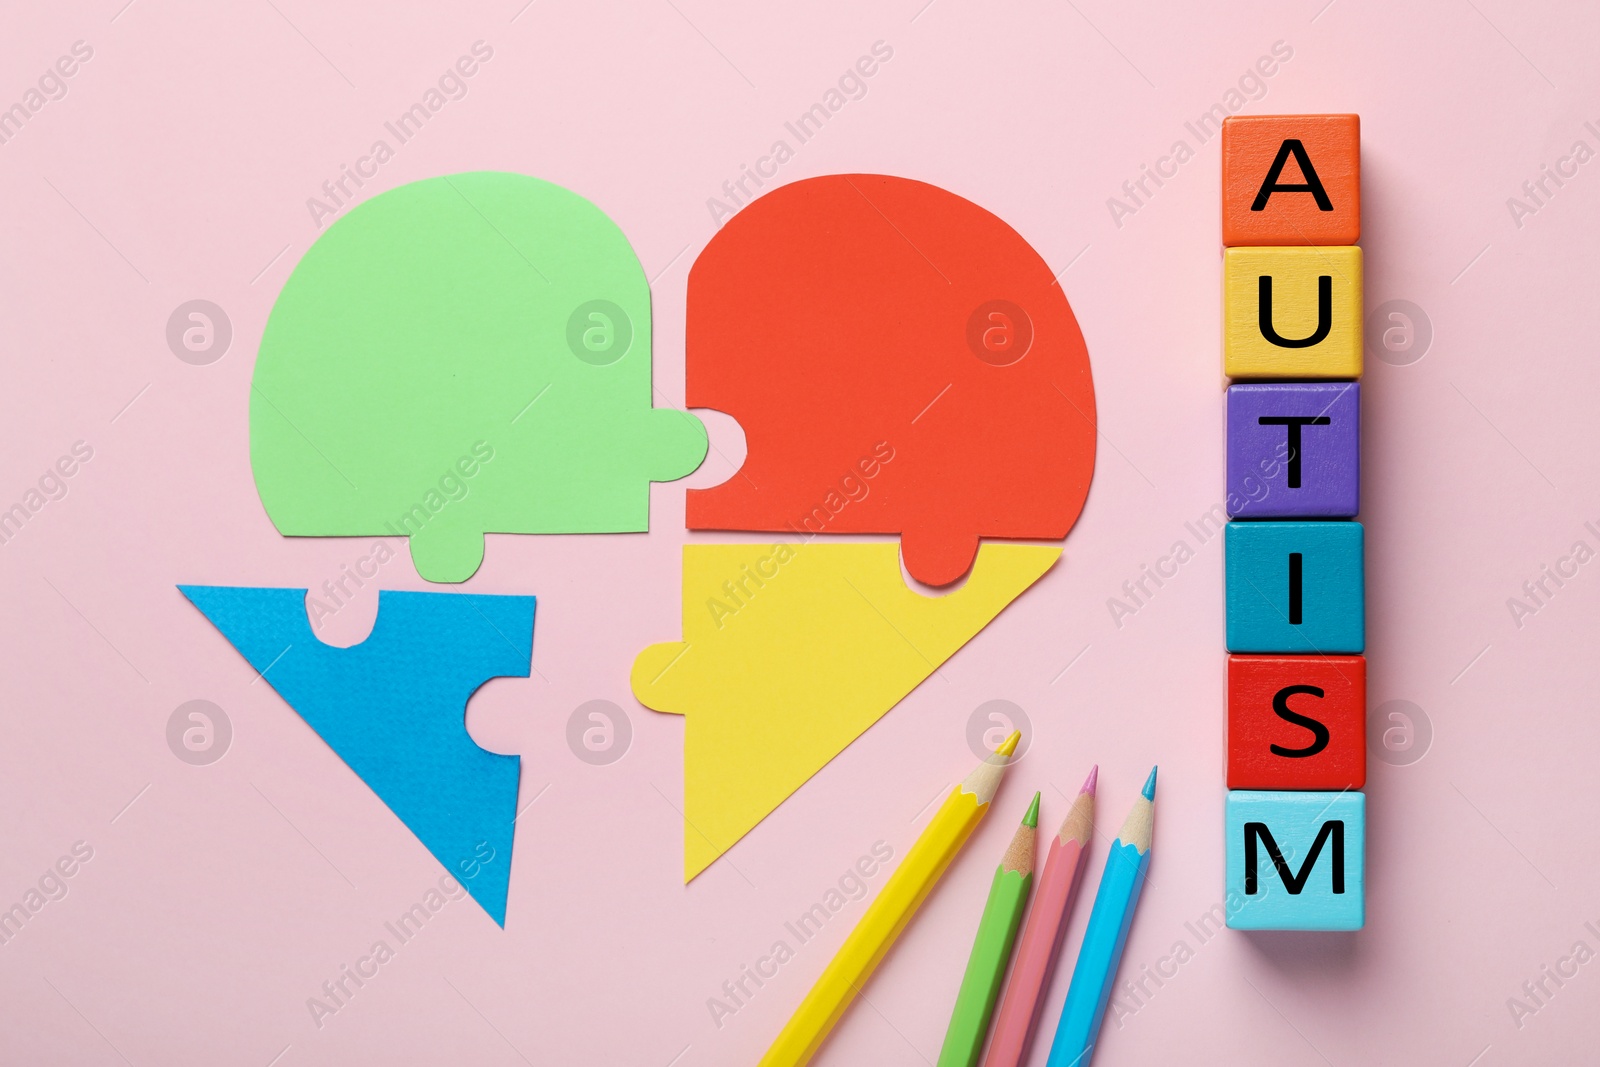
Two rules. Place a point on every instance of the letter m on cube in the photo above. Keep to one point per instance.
(1296, 860)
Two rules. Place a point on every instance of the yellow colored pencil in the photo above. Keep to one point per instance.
(902, 894)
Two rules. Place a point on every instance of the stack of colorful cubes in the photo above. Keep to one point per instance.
(1296, 612)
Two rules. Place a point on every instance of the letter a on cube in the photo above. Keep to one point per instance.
(1291, 180)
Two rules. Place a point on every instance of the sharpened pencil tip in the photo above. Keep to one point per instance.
(1149, 790)
(1009, 745)
(1032, 818)
(1093, 781)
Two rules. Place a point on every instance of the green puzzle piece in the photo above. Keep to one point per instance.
(459, 356)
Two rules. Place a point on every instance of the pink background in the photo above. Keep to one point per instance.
(220, 899)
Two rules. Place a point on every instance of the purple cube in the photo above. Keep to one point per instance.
(1294, 450)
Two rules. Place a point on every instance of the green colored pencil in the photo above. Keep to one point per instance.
(997, 933)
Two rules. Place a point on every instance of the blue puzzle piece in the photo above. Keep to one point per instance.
(1296, 861)
(1295, 587)
(394, 708)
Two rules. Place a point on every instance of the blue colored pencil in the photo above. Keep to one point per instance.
(1114, 901)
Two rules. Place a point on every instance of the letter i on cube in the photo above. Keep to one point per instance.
(1295, 587)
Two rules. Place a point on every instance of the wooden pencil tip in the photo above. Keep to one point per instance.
(1091, 783)
(1009, 745)
(1032, 818)
(1149, 790)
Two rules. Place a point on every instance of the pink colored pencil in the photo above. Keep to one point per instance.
(1041, 937)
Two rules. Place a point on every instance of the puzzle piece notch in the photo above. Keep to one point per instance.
(901, 361)
(393, 707)
(464, 355)
(790, 652)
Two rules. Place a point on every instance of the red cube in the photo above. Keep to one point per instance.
(1297, 722)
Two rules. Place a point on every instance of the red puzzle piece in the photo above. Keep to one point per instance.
(1297, 722)
(901, 361)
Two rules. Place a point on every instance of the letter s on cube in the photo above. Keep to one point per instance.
(1297, 722)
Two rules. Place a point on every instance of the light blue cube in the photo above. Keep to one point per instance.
(1296, 861)
(1296, 587)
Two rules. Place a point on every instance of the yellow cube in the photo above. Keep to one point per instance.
(1292, 312)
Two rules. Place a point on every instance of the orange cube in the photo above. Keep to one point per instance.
(1291, 180)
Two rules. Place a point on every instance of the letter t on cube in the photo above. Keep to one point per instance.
(1294, 450)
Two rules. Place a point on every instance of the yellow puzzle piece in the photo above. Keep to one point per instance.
(790, 652)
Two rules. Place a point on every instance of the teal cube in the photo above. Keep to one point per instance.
(1296, 861)
(1296, 587)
